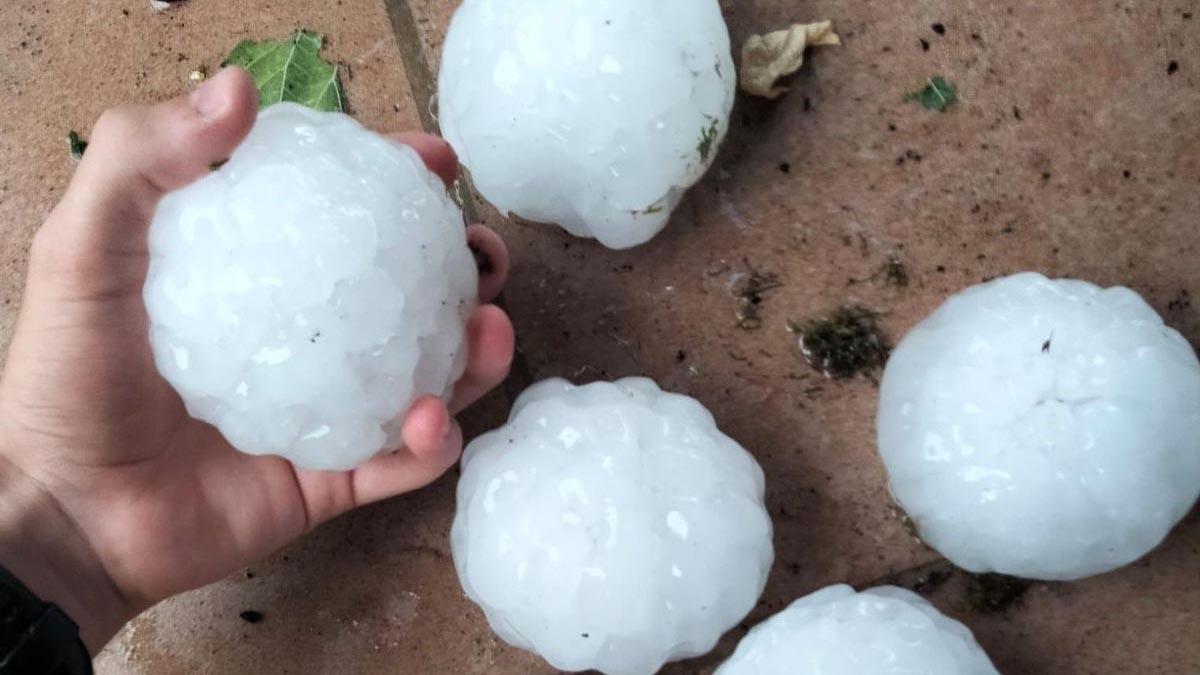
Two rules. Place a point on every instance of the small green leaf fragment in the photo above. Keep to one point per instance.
(843, 344)
(708, 140)
(76, 144)
(938, 94)
(291, 70)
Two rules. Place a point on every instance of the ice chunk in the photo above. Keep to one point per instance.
(596, 115)
(881, 631)
(611, 526)
(302, 295)
(1042, 429)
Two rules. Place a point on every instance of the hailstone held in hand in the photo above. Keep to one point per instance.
(302, 295)
(1042, 429)
(881, 631)
(596, 115)
(611, 526)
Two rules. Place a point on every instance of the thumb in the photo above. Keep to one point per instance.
(139, 153)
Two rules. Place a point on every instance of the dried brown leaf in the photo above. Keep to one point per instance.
(766, 58)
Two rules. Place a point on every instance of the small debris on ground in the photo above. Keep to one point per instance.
(909, 155)
(198, 74)
(938, 94)
(76, 145)
(931, 580)
(996, 593)
(708, 139)
(750, 296)
(910, 528)
(251, 616)
(844, 344)
(164, 5)
(893, 273)
(766, 58)
(1182, 301)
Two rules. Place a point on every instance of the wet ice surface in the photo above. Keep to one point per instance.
(596, 115)
(304, 294)
(611, 526)
(1043, 429)
(881, 631)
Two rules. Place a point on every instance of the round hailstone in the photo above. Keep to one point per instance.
(596, 115)
(302, 295)
(882, 631)
(611, 526)
(1042, 429)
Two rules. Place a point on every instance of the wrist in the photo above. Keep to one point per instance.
(43, 547)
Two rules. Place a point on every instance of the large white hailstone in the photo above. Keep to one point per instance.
(596, 115)
(881, 631)
(305, 293)
(1042, 429)
(611, 526)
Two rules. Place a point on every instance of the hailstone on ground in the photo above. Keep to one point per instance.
(881, 631)
(1042, 429)
(611, 526)
(302, 295)
(596, 115)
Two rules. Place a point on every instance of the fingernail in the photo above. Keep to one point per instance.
(447, 428)
(208, 99)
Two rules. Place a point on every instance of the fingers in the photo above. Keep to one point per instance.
(490, 344)
(435, 152)
(432, 444)
(491, 255)
(139, 153)
(432, 439)
(490, 340)
(490, 252)
(93, 245)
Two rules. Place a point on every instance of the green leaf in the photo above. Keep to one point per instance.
(291, 70)
(76, 144)
(938, 94)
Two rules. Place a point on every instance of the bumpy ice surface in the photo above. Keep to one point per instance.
(882, 631)
(594, 114)
(611, 526)
(1044, 429)
(302, 295)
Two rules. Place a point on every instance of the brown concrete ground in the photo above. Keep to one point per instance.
(1075, 151)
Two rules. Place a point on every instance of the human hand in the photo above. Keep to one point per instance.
(111, 497)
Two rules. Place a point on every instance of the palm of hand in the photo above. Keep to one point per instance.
(164, 500)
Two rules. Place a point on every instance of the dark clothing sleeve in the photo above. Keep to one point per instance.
(37, 638)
